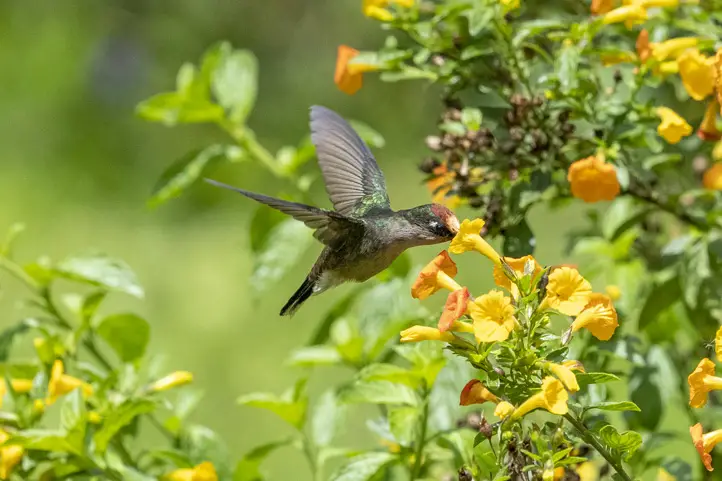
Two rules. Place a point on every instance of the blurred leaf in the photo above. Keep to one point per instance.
(286, 243)
(587, 378)
(479, 16)
(314, 356)
(73, 419)
(519, 240)
(363, 467)
(403, 421)
(202, 445)
(7, 337)
(101, 270)
(646, 393)
(348, 341)
(391, 373)
(614, 406)
(127, 334)
(372, 137)
(292, 412)
(262, 223)
(323, 329)
(235, 83)
(626, 443)
(695, 269)
(51, 440)
(327, 419)
(12, 233)
(400, 267)
(471, 118)
(120, 417)
(188, 169)
(248, 468)
(621, 215)
(660, 160)
(171, 108)
(378, 392)
(537, 27)
(567, 68)
(407, 73)
(661, 297)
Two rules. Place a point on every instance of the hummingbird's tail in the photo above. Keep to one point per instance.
(299, 297)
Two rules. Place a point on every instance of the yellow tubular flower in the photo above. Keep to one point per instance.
(493, 317)
(510, 4)
(20, 386)
(377, 8)
(697, 73)
(476, 393)
(718, 75)
(629, 14)
(174, 379)
(567, 291)
(469, 239)
(708, 130)
(454, 308)
(672, 127)
(61, 384)
(705, 443)
(701, 382)
(599, 317)
(346, 81)
(613, 291)
(718, 344)
(94, 417)
(712, 178)
(518, 266)
(441, 184)
(553, 397)
(717, 152)
(574, 365)
(203, 472)
(10, 456)
(564, 374)
(425, 333)
(587, 471)
(673, 48)
(503, 410)
(437, 274)
(665, 69)
(592, 179)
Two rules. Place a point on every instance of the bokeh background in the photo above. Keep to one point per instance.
(78, 167)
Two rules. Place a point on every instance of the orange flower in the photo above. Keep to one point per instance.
(600, 7)
(348, 76)
(708, 130)
(644, 50)
(701, 382)
(440, 185)
(712, 178)
(705, 443)
(599, 317)
(476, 393)
(518, 266)
(592, 179)
(437, 274)
(454, 308)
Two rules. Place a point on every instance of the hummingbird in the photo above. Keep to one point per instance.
(362, 235)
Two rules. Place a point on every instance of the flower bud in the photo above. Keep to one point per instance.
(486, 429)
(175, 379)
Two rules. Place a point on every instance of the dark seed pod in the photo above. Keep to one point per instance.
(564, 116)
(465, 475)
(516, 133)
(486, 429)
(476, 201)
(618, 76)
(428, 165)
(509, 147)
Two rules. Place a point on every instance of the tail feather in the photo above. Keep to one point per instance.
(299, 297)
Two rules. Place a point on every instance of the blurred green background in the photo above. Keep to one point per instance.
(78, 167)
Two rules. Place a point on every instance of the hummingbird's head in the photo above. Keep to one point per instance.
(433, 223)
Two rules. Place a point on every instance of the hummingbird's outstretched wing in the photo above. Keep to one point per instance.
(330, 227)
(353, 179)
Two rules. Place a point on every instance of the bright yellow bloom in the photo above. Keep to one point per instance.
(673, 48)
(21, 386)
(613, 291)
(592, 179)
(717, 152)
(510, 4)
(708, 130)
(615, 58)
(476, 393)
(701, 382)
(202, 472)
(574, 365)
(672, 127)
(697, 73)
(587, 471)
(600, 7)
(437, 274)
(564, 374)
(718, 75)
(38, 406)
(518, 266)
(425, 333)
(629, 14)
(553, 397)
(454, 308)
(599, 317)
(94, 417)
(705, 443)
(712, 178)
(664, 69)
(663, 475)
(469, 239)
(718, 344)
(174, 379)
(503, 410)
(493, 317)
(441, 184)
(10, 456)
(377, 8)
(61, 384)
(567, 291)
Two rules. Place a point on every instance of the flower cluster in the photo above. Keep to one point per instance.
(701, 382)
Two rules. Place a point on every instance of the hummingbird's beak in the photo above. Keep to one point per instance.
(452, 223)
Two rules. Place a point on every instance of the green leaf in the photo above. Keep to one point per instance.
(118, 418)
(7, 337)
(101, 270)
(403, 421)
(614, 406)
(695, 269)
(286, 243)
(188, 169)
(249, 467)
(73, 419)
(623, 214)
(519, 240)
(51, 440)
(627, 442)
(294, 413)
(567, 68)
(314, 356)
(327, 418)
(372, 137)
(646, 392)
(127, 334)
(235, 83)
(202, 444)
(662, 296)
(391, 373)
(171, 108)
(363, 467)
(378, 392)
(12, 233)
(471, 118)
(586, 378)
(479, 16)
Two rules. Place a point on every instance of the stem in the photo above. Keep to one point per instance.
(421, 439)
(654, 200)
(589, 437)
(310, 454)
(245, 138)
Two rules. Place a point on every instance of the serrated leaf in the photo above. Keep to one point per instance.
(314, 356)
(292, 412)
(614, 406)
(127, 334)
(586, 378)
(235, 83)
(101, 270)
(403, 422)
(378, 392)
(626, 442)
(286, 243)
(327, 418)
(188, 169)
(363, 467)
(119, 418)
(479, 16)
(249, 467)
(567, 65)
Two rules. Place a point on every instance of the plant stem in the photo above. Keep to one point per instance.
(589, 437)
(310, 454)
(245, 138)
(421, 438)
